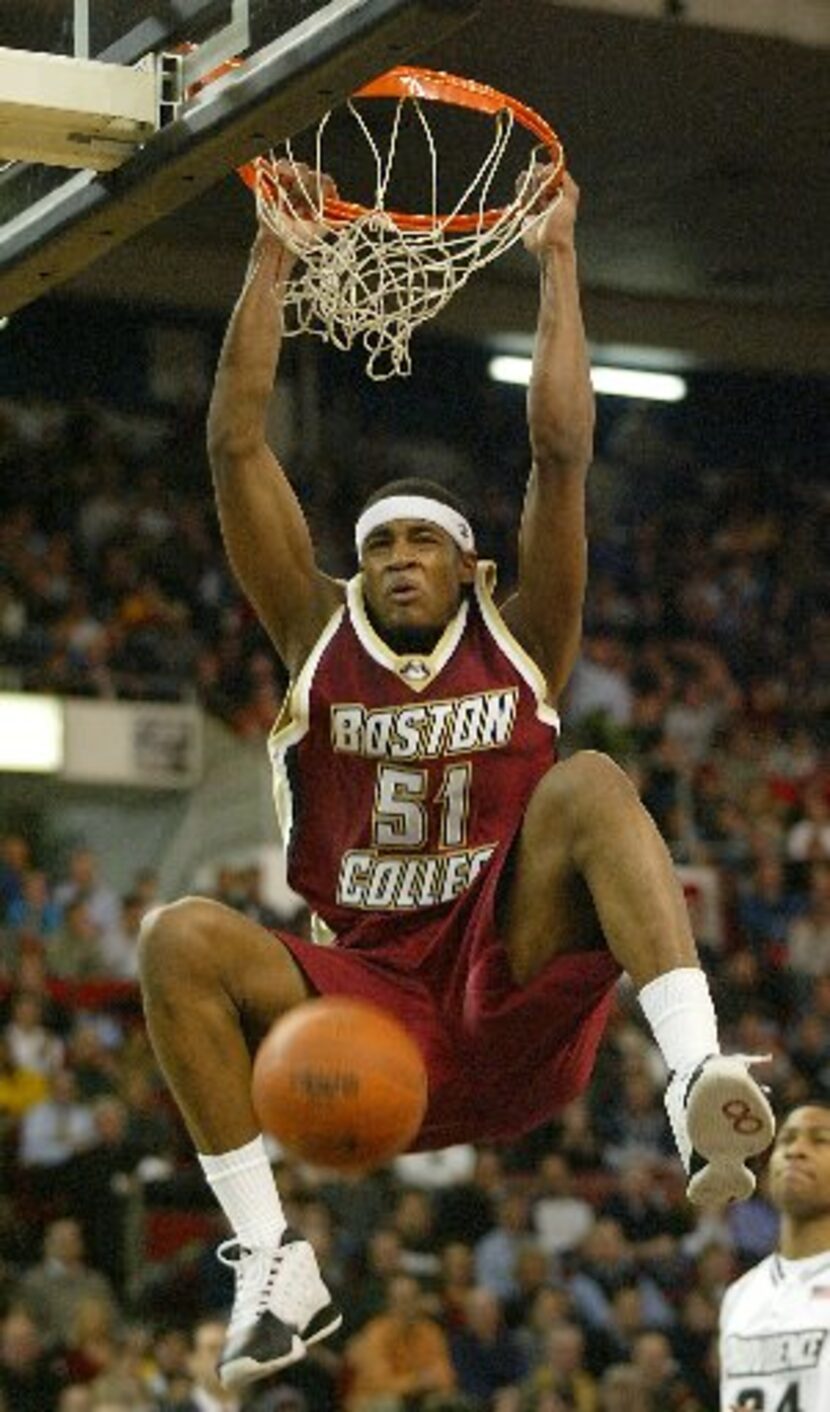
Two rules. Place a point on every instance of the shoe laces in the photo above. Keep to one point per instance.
(256, 1271)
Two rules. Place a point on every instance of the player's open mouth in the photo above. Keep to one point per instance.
(403, 592)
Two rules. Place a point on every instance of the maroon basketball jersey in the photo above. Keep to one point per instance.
(398, 777)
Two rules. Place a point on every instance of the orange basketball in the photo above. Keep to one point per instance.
(340, 1083)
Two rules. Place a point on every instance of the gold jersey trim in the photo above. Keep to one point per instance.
(292, 724)
(525, 665)
(418, 670)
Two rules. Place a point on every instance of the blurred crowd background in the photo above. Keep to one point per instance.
(566, 1273)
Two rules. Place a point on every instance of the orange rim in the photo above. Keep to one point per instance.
(434, 86)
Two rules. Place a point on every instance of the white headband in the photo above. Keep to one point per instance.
(414, 507)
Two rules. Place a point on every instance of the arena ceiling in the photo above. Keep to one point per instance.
(702, 157)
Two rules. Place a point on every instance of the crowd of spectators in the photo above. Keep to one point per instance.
(565, 1274)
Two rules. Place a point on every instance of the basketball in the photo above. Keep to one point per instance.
(340, 1084)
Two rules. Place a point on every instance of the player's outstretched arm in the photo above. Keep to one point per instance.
(263, 526)
(546, 613)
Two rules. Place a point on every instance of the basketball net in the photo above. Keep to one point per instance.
(371, 274)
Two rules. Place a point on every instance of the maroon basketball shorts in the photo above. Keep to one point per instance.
(502, 1058)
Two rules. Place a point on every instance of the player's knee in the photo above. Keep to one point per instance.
(174, 942)
(586, 792)
(591, 775)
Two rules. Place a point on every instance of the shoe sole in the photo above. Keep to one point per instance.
(239, 1372)
(729, 1122)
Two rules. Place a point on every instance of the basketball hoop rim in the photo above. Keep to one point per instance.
(409, 81)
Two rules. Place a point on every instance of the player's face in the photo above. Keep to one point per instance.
(413, 574)
(799, 1173)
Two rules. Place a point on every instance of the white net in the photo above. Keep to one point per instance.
(367, 278)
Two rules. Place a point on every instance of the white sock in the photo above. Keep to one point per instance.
(244, 1186)
(679, 1009)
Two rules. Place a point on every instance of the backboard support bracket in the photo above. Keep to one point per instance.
(233, 38)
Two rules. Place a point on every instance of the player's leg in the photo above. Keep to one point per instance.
(590, 867)
(213, 981)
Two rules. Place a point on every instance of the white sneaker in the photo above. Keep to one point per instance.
(281, 1305)
(720, 1118)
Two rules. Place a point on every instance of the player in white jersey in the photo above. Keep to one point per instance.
(775, 1320)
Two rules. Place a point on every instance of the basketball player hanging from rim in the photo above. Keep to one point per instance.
(486, 895)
